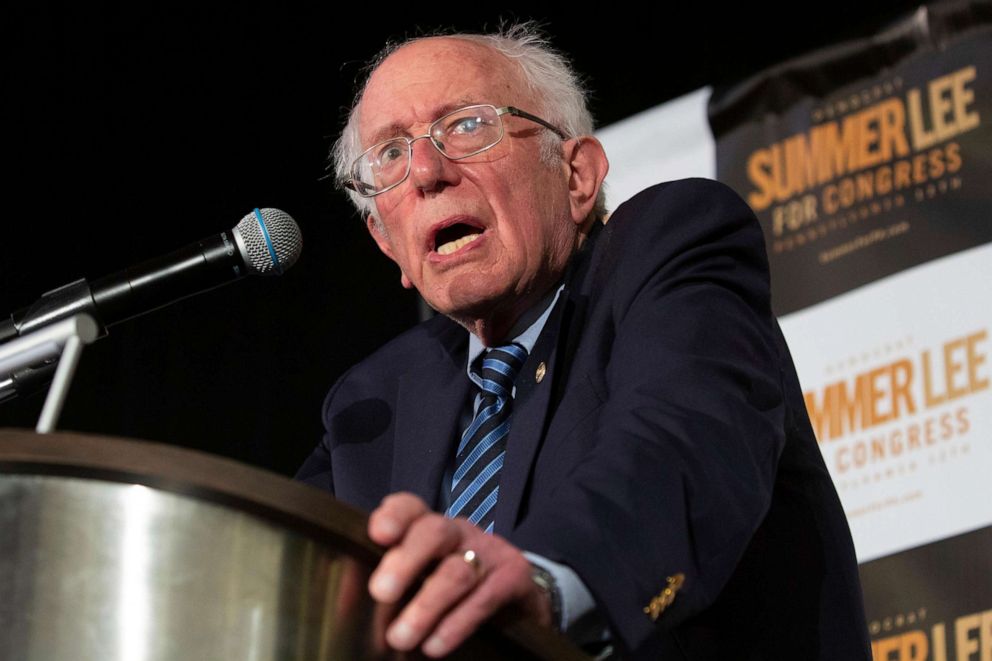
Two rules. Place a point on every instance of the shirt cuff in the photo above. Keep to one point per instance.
(580, 619)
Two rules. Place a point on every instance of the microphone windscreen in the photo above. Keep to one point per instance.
(270, 241)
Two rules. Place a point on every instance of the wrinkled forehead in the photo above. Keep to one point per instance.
(425, 79)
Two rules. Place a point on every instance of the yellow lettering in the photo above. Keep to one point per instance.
(915, 646)
(962, 97)
(975, 360)
(949, 113)
(758, 166)
(953, 153)
(902, 377)
(835, 149)
(952, 367)
(902, 175)
(800, 173)
(867, 155)
(875, 395)
(909, 646)
(928, 395)
(939, 640)
(794, 214)
(842, 463)
(830, 202)
(881, 650)
(985, 636)
(964, 644)
(844, 408)
(817, 414)
(883, 180)
(892, 129)
(940, 106)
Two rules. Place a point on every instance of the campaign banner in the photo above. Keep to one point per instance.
(896, 377)
(868, 165)
(868, 158)
(940, 609)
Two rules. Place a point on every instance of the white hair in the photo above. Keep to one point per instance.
(548, 74)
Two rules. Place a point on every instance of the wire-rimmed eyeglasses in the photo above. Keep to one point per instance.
(459, 134)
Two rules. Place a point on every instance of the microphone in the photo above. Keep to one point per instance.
(265, 242)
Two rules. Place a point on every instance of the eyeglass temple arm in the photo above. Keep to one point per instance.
(517, 112)
(352, 184)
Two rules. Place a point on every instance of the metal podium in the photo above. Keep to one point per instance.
(135, 551)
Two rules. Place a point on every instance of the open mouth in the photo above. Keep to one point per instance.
(454, 237)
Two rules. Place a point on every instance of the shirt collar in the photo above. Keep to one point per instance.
(525, 332)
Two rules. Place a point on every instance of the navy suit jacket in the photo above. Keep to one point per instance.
(668, 436)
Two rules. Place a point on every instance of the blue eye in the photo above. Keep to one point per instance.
(467, 125)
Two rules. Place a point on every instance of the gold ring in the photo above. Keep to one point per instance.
(471, 558)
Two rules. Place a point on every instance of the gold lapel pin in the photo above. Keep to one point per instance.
(542, 369)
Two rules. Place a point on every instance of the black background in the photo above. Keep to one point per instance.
(131, 129)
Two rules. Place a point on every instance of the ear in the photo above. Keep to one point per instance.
(587, 165)
(378, 233)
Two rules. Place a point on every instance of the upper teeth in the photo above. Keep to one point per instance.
(452, 246)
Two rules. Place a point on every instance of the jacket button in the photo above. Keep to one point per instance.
(542, 369)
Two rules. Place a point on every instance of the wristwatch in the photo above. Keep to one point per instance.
(548, 585)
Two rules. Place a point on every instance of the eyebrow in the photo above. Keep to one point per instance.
(396, 129)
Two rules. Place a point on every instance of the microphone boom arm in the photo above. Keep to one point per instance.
(63, 340)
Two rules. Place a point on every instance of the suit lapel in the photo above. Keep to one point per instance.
(536, 401)
(530, 408)
(429, 405)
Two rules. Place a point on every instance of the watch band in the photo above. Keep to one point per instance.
(546, 582)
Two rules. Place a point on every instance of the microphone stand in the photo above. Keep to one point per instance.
(62, 341)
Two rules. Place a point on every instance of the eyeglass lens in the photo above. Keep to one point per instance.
(460, 134)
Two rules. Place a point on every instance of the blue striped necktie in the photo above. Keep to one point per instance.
(475, 483)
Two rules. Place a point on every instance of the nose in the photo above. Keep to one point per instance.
(429, 170)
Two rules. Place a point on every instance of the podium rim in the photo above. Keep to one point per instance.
(191, 473)
(200, 475)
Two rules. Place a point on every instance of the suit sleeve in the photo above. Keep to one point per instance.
(316, 470)
(690, 427)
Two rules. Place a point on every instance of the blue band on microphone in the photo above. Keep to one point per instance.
(268, 242)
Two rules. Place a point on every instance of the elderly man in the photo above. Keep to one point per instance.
(603, 425)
